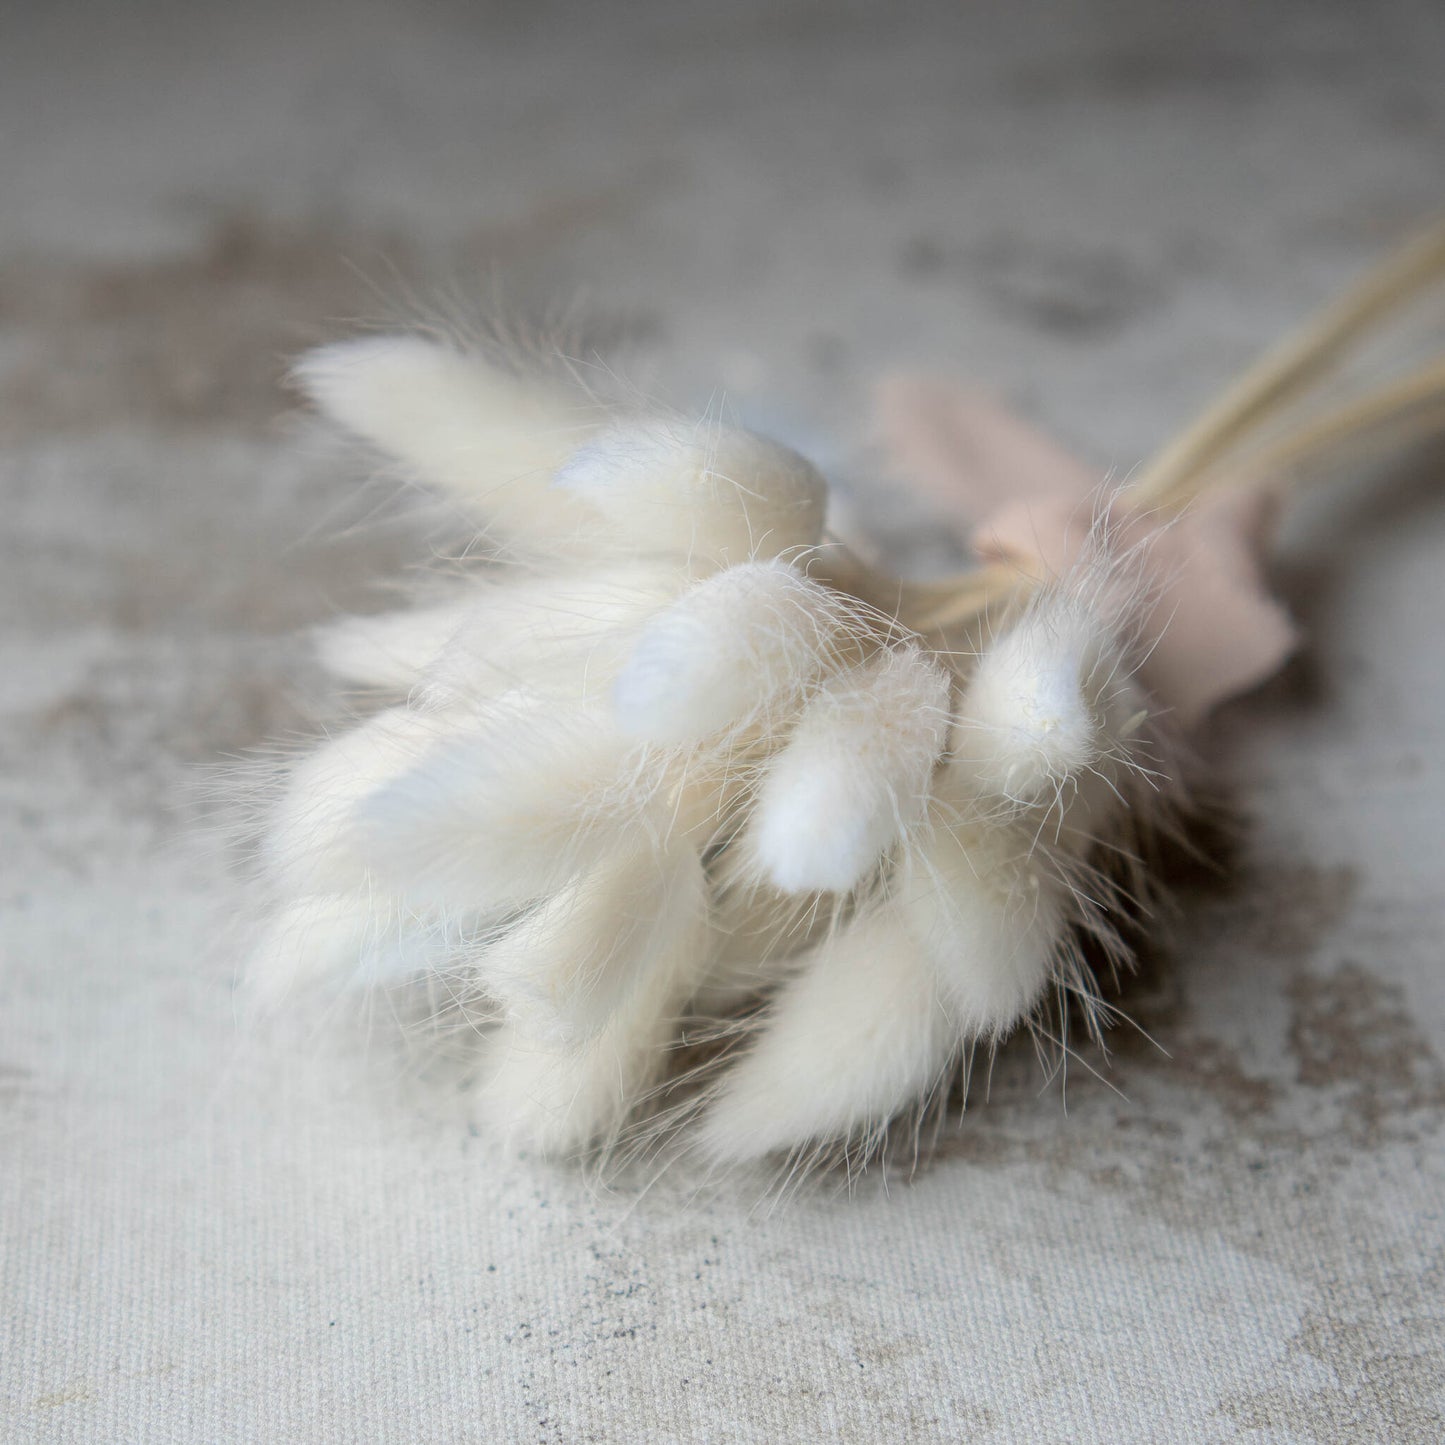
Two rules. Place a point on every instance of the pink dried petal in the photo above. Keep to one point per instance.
(1218, 630)
(966, 452)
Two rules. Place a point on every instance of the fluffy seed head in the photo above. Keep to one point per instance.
(461, 423)
(727, 651)
(498, 815)
(562, 1096)
(856, 1035)
(566, 967)
(1029, 715)
(854, 775)
(988, 909)
(652, 767)
(712, 497)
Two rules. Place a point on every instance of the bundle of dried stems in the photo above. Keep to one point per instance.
(661, 761)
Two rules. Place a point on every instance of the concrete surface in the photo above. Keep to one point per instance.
(1101, 208)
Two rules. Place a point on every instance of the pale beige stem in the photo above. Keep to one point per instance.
(1288, 369)
(1208, 453)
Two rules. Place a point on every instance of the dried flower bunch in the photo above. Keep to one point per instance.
(664, 760)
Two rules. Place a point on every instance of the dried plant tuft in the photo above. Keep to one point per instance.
(663, 751)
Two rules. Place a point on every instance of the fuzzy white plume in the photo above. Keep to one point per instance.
(727, 652)
(1041, 776)
(390, 651)
(312, 843)
(561, 1095)
(566, 967)
(650, 768)
(709, 495)
(989, 911)
(1032, 714)
(361, 940)
(498, 814)
(854, 775)
(856, 1035)
(1031, 721)
(461, 423)
(563, 637)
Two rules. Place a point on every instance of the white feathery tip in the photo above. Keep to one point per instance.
(854, 775)
(388, 650)
(569, 964)
(725, 652)
(461, 423)
(355, 939)
(500, 815)
(989, 906)
(567, 636)
(562, 1096)
(707, 495)
(856, 1035)
(311, 846)
(1028, 716)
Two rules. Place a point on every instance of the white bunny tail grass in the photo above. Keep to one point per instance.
(685, 772)
(565, 968)
(389, 652)
(1057, 778)
(706, 493)
(460, 422)
(565, 1095)
(348, 940)
(500, 813)
(635, 786)
(1014, 856)
(854, 775)
(312, 842)
(731, 651)
(857, 1034)
(564, 636)
(548, 472)
(1029, 717)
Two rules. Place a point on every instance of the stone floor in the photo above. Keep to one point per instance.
(1101, 209)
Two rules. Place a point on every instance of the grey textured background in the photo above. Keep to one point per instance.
(1103, 209)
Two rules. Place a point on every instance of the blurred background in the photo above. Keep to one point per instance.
(1102, 210)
